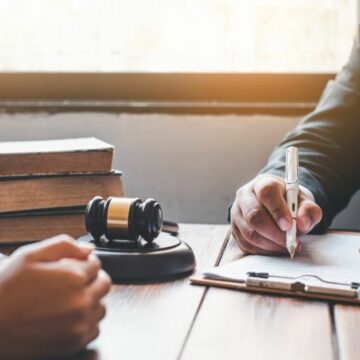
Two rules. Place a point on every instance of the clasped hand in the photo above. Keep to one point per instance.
(50, 299)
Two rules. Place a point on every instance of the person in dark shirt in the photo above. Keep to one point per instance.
(328, 141)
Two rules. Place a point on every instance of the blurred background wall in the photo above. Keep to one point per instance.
(191, 164)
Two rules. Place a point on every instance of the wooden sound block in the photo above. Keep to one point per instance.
(166, 258)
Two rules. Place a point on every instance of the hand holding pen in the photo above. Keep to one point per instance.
(260, 215)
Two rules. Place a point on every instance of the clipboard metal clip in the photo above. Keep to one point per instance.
(307, 283)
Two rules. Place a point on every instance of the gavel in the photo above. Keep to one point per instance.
(126, 219)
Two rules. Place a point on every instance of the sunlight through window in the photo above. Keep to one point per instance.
(176, 35)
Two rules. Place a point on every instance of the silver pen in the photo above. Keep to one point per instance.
(292, 192)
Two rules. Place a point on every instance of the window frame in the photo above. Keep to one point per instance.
(270, 93)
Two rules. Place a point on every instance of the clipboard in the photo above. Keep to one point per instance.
(322, 272)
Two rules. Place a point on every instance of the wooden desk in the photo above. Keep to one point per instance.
(177, 320)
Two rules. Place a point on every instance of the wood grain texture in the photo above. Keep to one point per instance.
(347, 323)
(152, 321)
(232, 325)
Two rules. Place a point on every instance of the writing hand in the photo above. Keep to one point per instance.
(260, 215)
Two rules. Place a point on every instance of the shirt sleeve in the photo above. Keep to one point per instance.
(328, 143)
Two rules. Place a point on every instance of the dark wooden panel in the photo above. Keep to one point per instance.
(232, 87)
(347, 323)
(234, 325)
(152, 321)
(159, 106)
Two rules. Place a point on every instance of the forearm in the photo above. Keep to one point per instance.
(327, 141)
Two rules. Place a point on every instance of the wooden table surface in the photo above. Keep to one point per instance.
(176, 320)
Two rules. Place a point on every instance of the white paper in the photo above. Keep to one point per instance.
(333, 257)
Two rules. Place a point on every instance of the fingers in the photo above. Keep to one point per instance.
(308, 216)
(56, 248)
(99, 313)
(271, 193)
(92, 335)
(81, 338)
(89, 269)
(257, 218)
(77, 273)
(252, 242)
(100, 286)
(96, 291)
(260, 215)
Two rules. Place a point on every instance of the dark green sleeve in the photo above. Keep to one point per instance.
(328, 141)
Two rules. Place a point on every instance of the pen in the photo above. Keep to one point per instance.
(292, 191)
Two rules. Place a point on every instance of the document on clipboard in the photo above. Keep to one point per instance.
(328, 267)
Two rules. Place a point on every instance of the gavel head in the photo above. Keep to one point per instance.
(123, 218)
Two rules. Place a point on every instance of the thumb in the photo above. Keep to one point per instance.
(309, 214)
(56, 248)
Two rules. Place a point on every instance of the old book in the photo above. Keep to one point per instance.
(82, 155)
(50, 192)
(22, 229)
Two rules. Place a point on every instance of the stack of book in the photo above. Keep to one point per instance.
(46, 185)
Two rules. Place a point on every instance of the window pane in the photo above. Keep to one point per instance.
(176, 35)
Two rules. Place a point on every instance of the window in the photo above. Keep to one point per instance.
(249, 51)
(176, 35)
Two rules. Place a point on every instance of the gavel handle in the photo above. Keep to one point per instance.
(170, 227)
